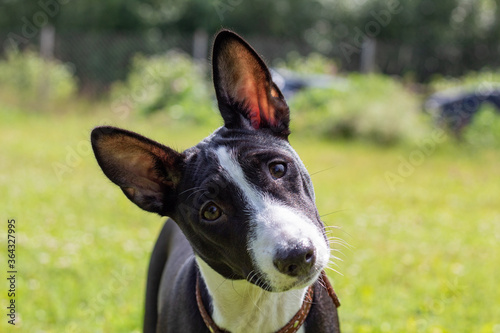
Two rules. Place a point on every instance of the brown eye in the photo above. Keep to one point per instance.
(277, 169)
(211, 211)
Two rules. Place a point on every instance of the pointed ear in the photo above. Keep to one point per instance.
(146, 171)
(247, 96)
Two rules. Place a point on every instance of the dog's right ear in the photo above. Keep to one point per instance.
(246, 94)
(146, 171)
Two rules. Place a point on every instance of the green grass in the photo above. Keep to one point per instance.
(423, 255)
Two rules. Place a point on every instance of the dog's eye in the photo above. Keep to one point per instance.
(211, 211)
(277, 169)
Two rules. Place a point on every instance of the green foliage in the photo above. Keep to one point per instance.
(171, 84)
(314, 63)
(458, 35)
(481, 81)
(484, 130)
(371, 108)
(424, 255)
(31, 80)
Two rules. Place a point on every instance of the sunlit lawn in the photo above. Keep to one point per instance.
(423, 252)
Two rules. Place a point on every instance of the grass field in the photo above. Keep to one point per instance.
(422, 224)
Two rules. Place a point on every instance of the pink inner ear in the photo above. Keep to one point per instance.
(254, 95)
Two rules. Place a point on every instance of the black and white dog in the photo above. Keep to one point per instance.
(247, 250)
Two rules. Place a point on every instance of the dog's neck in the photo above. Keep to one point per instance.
(240, 306)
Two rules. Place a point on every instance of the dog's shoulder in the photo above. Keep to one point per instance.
(172, 276)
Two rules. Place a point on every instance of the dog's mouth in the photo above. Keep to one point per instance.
(260, 280)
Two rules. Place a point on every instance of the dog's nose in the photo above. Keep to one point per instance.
(295, 261)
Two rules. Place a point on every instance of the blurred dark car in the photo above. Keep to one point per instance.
(454, 109)
(290, 82)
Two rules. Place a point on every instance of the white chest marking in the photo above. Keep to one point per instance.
(242, 307)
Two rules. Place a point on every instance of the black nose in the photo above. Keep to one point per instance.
(295, 261)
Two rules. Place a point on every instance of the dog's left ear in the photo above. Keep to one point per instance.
(247, 96)
(146, 171)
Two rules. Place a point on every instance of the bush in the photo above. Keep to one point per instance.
(171, 83)
(314, 63)
(482, 80)
(372, 108)
(484, 130)
(28, 78)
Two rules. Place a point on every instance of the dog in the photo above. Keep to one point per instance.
(244, 248)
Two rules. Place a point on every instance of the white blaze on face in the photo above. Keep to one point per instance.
(273, 225)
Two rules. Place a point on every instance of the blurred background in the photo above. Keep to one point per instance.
(395, 110)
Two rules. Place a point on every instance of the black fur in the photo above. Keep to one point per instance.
(179, 185)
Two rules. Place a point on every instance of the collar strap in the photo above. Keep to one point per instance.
(209, 322)
(327, 285)
(291, 327)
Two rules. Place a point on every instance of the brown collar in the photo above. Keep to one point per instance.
(292, 326)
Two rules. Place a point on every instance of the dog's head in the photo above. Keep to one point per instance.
(242, 196)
